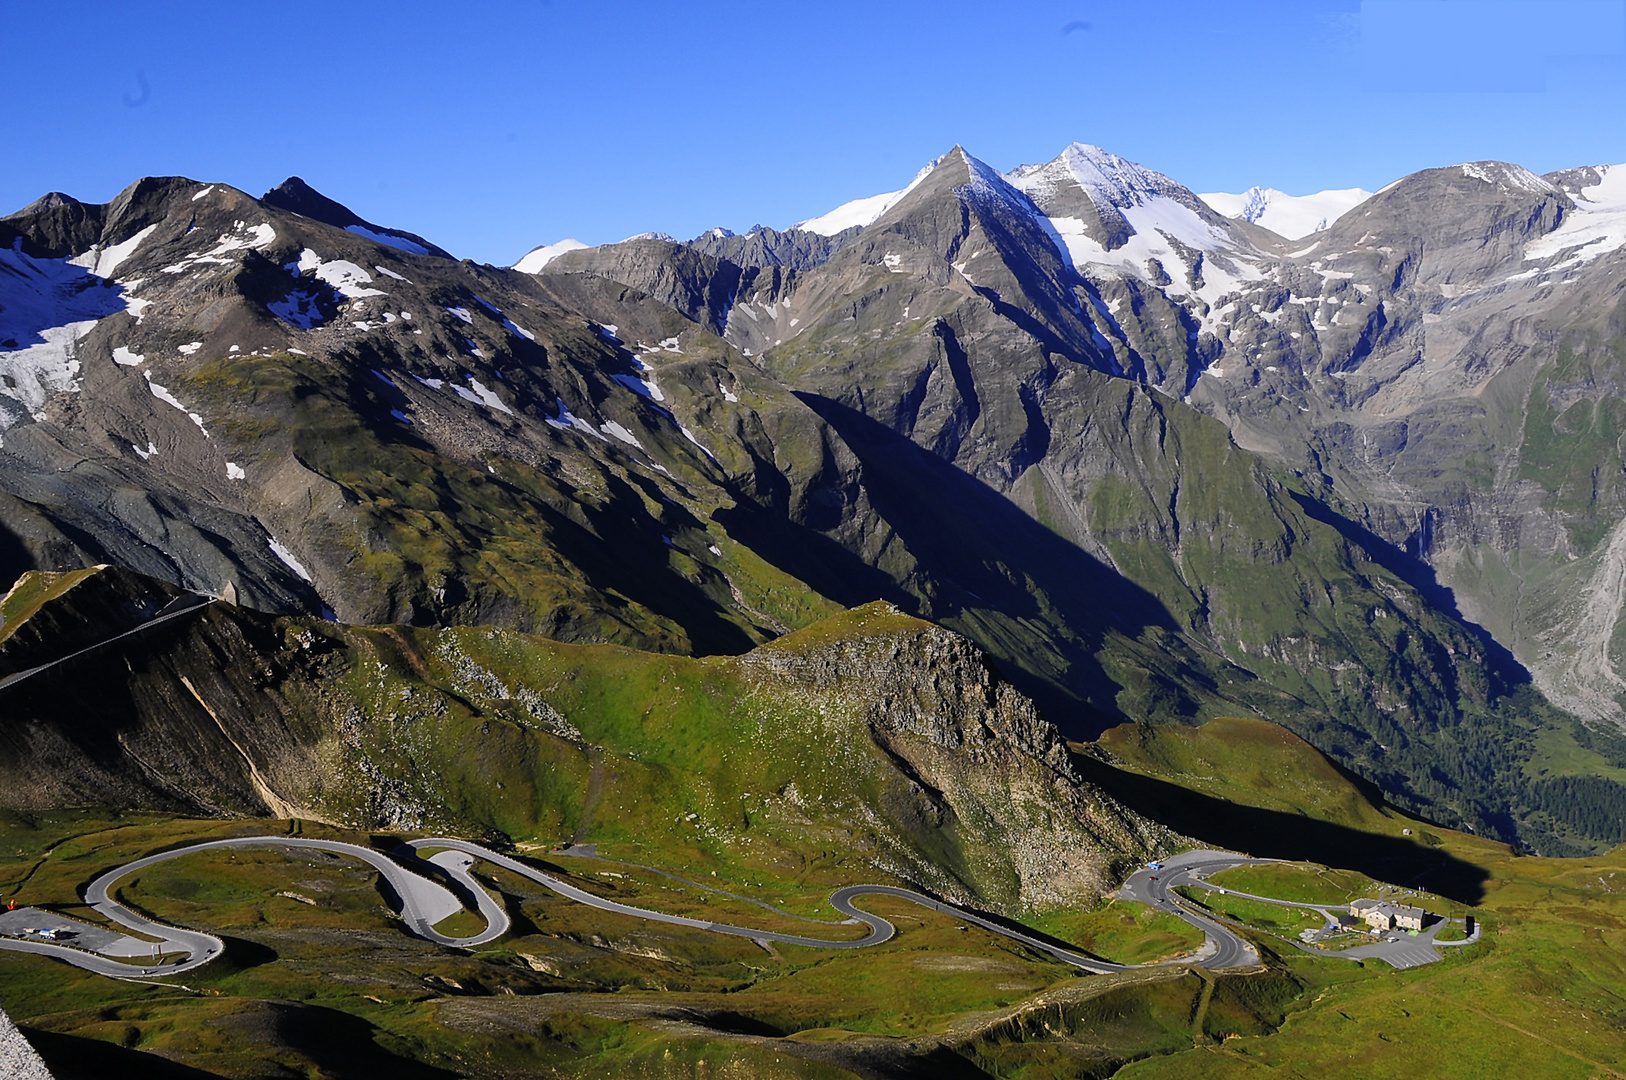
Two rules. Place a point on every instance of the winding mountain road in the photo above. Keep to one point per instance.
(424, 902)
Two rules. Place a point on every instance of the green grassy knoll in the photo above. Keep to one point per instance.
(1271, 918)
(1123, 932)
(1254, 763)
(30, 592)
(1251, 786)
(1303, 883)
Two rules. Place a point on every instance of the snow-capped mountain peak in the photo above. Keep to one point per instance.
(538, 257)
(1597, 225)
(861, 212)
(1108, 180)
(1292, 216)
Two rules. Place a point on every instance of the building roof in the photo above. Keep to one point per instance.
(1385, 907)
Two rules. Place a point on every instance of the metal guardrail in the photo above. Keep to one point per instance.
(174, 610)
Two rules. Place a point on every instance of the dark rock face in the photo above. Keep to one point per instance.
(299, 197)
(793, 249)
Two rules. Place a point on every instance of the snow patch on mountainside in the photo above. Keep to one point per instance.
(538, 257)
(347, 279)
(1159, 224)
(162, 394)
(480, 394)
(861, 212)
(46, 306)
(288, 559)
(1292, 216)
(102, 261)
(400, 243)
(1596, 227)
(1505, 176)
(1164, 222)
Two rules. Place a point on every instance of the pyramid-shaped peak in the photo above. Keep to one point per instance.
(296, 195)
(1107, 178)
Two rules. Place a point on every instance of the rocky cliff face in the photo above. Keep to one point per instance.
(19, 1060)
(975, 760)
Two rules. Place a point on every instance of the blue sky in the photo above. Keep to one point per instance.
(493, 127)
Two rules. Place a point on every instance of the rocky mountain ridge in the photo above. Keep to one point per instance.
(1160, 464)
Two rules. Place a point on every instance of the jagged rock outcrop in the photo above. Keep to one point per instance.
(976, 759)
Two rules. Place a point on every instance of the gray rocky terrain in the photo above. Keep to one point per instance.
(18, 1060)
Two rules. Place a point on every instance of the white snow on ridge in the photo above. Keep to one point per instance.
(125, 358)
(346, 278)
(1105, 177)
(481, 394)
(535, 259)
(400, 243)
(254, 237)
(1155, 210)
(861, 212)
(643, 387)
(1596, 227)
(102, 261)
(612, 428)
(1506, 176)
(289, 561)
(567, 421)
(1156, 222)
(1291, 216)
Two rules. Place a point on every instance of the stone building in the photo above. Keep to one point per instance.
(1382, 915)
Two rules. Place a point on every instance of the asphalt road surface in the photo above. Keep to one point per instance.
(422, 902)
(428, 890)
(1223, 947)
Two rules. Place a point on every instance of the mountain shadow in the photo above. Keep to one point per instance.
(15, 558)
(1504, 668)
(75, 1057)
(1044, 608)
(1275, 834)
